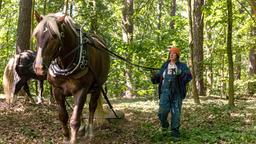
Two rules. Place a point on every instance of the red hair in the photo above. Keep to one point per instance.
(175, 49)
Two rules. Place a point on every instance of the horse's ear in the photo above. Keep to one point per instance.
(38, 16)
(61, 19)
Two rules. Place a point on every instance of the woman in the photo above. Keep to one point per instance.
(172, 79)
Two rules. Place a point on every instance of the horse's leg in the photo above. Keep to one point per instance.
(63, 114)
(92, 107)
(75, 120)
(17, 87)
(40, 91)
(26, 88)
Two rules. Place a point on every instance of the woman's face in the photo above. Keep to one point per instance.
(173, 56)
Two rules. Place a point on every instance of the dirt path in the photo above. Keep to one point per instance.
(23, 124)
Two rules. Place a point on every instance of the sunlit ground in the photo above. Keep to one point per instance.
(211, 122)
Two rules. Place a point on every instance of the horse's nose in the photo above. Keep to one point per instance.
(39, 69)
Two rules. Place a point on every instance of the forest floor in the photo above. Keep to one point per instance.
(211, 122)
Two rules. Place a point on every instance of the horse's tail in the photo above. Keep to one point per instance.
(99, 112)
(8, 80)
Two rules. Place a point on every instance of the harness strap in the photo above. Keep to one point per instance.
(80, 64)
(122, 58)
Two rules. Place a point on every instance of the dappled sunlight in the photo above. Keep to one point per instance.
(211, 122)
(251, 104)
(143, 106)
(215, 117)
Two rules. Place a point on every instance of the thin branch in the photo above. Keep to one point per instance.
(246, 10)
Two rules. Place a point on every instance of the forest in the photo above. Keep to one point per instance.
(217, 41)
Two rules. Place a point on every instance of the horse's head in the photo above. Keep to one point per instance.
(48, 34)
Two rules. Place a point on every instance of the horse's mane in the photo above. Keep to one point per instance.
(50, 22)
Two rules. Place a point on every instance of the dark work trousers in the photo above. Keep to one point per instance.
(170, 101)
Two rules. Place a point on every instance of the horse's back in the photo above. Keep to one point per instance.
(24, 65)
(26, 58)
(99, 58)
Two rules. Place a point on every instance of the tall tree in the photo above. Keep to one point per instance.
(194, 89)
(127, 31)
(252, 53)
(24, 26)
(71, 8)
(173, 13)
(94, 26)
(252, 57)
(198, 27)
(252, 69)
(65, 9)
(1, 5)
(44, 8)
(230, 58)
(159, 11)
(159, 17)
(238, 57)
(238, 63)
(209, 57)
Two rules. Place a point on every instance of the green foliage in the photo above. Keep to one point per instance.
(215, 51)
(209, 123)
(8, 27)
(149, 45)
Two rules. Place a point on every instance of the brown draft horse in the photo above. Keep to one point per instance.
(17, 73)
(57, 51)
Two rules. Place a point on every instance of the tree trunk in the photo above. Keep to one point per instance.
(24, 26)
(173, 13)
(71, 8)
(238, 57)
(238, 62)
(127, 31)
(209, 57)
(198, 45)
(223, 77)
(44, 9)
(252, 70)
(32, 23)
(159, 11)
(252, 55)
(65, 10)
(94, 25)
(1, 5)
(194, 89)
(230, 58)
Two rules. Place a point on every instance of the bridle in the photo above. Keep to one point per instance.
(80, 64)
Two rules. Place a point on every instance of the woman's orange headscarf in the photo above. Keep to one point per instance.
(176, 50)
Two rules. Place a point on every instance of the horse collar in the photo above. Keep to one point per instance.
(78, 65)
